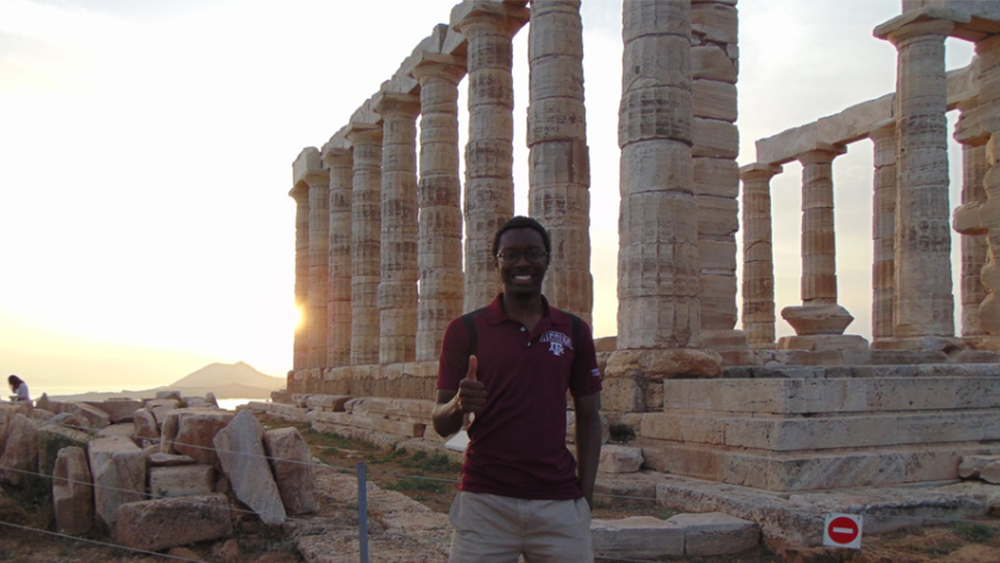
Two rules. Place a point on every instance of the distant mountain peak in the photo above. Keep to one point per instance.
(218, 374)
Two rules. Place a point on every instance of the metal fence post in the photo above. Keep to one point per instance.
(363, 510)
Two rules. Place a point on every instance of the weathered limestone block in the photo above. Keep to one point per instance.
(181, 480)
(715, 533)
(656, 365)
(714, 100)
(144, 428)
(637, 537)
(332, 403)
(157, 458)
(119, 410)
(19, 461)
(711, 62)
(817, 319)
(158, 524)
(52, 438)
(240, 449)
(291, 463)
(72, 492)
(167, 395)
(119, 470)
(991, 473)
(972, 465)
(620, 459)
(44, 402)
(195, 430)
(160, 407)
(91, 417)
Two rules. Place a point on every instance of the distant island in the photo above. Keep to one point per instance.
(225, 381)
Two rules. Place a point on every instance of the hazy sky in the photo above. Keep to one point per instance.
(146, 150)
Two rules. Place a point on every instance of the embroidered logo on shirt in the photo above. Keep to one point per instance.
(595, 372)
(558, 342)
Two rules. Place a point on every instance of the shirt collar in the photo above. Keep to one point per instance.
(494, 312)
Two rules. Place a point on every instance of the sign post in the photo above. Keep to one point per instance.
(842, 530)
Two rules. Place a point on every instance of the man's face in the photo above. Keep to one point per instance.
(522, 276)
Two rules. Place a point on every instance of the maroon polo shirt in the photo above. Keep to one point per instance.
(517, 443)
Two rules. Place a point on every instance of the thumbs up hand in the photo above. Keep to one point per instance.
(471, 392)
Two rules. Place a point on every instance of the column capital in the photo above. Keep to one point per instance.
(300, 192)
(396, 104)
(883, 130)
(435, 65)
(361, 132)
(502, 14)
(337, 157)
(933, 21)
(758, 170)
(307, 166)
(821, 153)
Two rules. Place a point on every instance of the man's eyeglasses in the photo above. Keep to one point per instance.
(507, 257)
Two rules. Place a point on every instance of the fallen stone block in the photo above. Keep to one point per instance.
(291, 463)
(72, 492)
(121, 431)
(620, 459)
(160, 408)
(118, 409)
(54, 437)
(119, 471)
(715, 533)
(241, 454)
(181, 480)
(637, 537)
(971, 465)
(144, 428)
(160, 459)
(331, 403)
(196, 428)
(991, 473)
(19, 461)
(90, 416)
(163, 523)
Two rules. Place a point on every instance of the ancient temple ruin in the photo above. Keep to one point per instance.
(382, 264)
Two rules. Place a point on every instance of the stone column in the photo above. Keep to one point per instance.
(366, 229)
(658, 265)
(883, 229)
(300, 193)
(980, 127)
(820, 321)
(974, 246)
(340, 161)
(397, 291)
(440, 225)
(559, 174)
(489, 183)
(716, 174)
(758, 258)
(923, 299)
(318, 179)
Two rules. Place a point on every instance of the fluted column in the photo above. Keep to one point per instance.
(397, 290)
(659, 328)
(559, 173)
(974, 246)
(979, 126)
(883, 229)
(440, 225)
(489, 183)
(820, 314)
(338, 344)
(300, 193)
(319, 265)
(716, 173)
(924, 304)
(366, 229)
(758, 257)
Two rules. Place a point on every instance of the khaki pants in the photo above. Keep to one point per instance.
(498, 529)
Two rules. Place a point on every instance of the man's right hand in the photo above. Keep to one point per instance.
(471, 392)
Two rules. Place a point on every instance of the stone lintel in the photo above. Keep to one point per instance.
(337, 144)
(454, 44)
(365, 117)
(923, 15)
(306, 164)
(514, 11)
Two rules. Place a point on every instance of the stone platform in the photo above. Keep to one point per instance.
(800, 429)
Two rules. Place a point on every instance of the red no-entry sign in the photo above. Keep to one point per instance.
(842, 530)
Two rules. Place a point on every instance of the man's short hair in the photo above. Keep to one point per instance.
(522, 222)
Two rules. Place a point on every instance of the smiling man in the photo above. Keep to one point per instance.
(505, 369)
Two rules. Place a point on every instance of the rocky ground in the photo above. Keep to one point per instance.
(408, 498)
